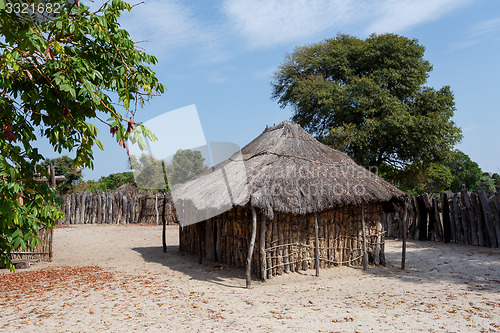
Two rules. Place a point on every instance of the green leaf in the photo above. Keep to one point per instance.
(99, 144)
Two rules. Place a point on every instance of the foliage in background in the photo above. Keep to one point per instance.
(107, 183)
(464, 171)
(154, 174)
(368, 98)
(63, 166)
(487, 183)
(149, 173)
(457, 170)
(186, 164)
(57, 73)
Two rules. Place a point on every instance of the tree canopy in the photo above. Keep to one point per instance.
(107, 183)
(186, 164)
(149, 172)
(368, 98)
(152, 173)
(465, 171)
(63, 166)
(59, 70)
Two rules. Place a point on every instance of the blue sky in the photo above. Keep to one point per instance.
(220, 55)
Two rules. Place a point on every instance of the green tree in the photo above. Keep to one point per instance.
(496, 177)
(420, 178)
(487, 183)
(464, 171)
(149, 172)
(107, 183)
(368, 99)
(186, 164)
(63, 166)
(58, 72)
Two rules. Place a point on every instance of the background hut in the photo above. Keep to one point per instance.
(302, 203)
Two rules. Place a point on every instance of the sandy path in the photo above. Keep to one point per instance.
(136, 287)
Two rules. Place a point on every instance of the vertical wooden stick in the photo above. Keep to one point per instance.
(365, 253)
(156, 209)
(316, 243)
(403, 251)
(52, 176)
(262, 239)
(164, 221)
(250, 248)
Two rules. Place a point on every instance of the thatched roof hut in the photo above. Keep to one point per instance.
(288, 171)
(282, 175)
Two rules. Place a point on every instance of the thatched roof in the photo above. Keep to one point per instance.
(131, 189)
(285, 170)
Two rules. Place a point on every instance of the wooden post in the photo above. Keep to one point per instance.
(164, 222)
(422, 206)
(490, 227)
(404, 220)
(52, 176)
(250, 248)
(438, 227)
(480, 220)
(156, 209)
(365, 253)
(316, 243)
(262, 239)
(471, 216)
(180, 237)
(431, 224)
(496, 219)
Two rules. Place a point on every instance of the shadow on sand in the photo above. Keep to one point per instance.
(427, 262)
(188, 264)
(430, 262)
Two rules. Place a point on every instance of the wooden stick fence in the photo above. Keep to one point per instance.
(464, 218)
(116, 207)
(42, 251)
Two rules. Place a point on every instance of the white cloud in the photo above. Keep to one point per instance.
(169, 27)
(399, 15)
(265, 23)
(174, 28)
(479, 32)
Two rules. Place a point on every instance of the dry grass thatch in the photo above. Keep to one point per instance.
(285, 170)
(131, 189)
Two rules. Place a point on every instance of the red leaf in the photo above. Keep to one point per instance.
(29, 75)
(8, 132)
(49, 53)
(121, 142)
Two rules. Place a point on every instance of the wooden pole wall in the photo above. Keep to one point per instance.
(291, 243)
(316, 243)
(363, 228)
(464, 218)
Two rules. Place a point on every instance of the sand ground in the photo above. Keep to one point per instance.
(116, 278)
